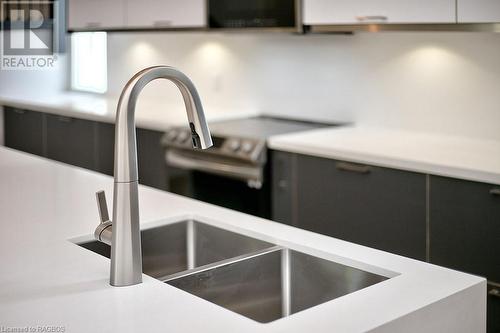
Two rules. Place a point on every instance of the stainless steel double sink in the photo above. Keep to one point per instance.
(251, 277)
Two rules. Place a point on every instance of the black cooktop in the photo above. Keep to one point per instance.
(261, 127)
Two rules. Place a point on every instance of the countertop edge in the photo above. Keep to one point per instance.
(281, 144)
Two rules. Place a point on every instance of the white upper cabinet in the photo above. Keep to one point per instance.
(380, 11)
(96, 14)
(166, 13)
(478, 11)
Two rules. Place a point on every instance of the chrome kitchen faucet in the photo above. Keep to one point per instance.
(123, 233)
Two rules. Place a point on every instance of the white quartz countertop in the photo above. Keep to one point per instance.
(150, 113)
(45, 279)
(451, 156)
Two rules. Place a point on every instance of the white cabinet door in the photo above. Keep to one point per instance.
(166, 13)
(378, 11)
(478, 11)
(87, 14)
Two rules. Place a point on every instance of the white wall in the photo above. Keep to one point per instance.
(443, 82)
(35, 82)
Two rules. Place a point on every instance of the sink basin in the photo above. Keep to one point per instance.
(251, 277)
(273, 283)
(185, 245)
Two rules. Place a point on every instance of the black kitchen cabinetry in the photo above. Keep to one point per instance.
(83, 143)
(106, 152)
(72, 141)
(377, 207)
(283, 187)
(151, 159)
(465, 226)
(24, 130)
(493, 313)
(465, 233)
(150, 155)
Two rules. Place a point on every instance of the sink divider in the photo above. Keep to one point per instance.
(191, 245)
(286, 296)
(221, 263)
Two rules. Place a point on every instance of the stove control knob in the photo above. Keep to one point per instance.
(234, 145)
(247, 147)
(172, 135)
(182, 137)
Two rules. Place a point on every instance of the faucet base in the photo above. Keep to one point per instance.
(126, 257)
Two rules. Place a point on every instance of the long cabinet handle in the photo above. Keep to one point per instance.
(372, 18)
(19, 111)
(495, 191)
(357, 168)
(64, 119)
(494, 292)
(162, 23)
(91, 25)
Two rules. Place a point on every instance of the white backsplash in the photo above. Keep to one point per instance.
(437, 82)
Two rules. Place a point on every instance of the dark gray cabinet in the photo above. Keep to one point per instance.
(72, 141)
(283, 187)
(377, 207)
(465, 226)
(83, 143)
(151, 159)
(493, 314)
(465, 233)
(150, 155)
(106, 152)
(24, 130)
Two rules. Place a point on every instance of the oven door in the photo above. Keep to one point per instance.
(219, 180)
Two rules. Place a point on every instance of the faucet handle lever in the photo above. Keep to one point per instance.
(102, 207)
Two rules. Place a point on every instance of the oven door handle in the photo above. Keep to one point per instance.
(242, 172)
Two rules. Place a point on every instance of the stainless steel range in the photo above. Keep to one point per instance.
(235, 171)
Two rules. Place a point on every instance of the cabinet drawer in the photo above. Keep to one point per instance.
(71, 141)
(465, 226)
(493, 314)
(24, 130)
(282, 186)
(151, 159)
(377, 207)
(150, 155)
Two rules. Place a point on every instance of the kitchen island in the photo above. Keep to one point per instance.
(47, 280)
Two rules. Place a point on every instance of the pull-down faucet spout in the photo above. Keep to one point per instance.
(123, 232)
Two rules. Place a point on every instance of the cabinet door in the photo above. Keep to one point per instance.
(478, 11)
(465, 226)
(150, 155)
(282, 186)
(105, 148)
(95, 14)
(151, 159)
(493, 309)
(71, 141)
(165, 13)
(24, 131)
(377, 207)
(378, 11)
